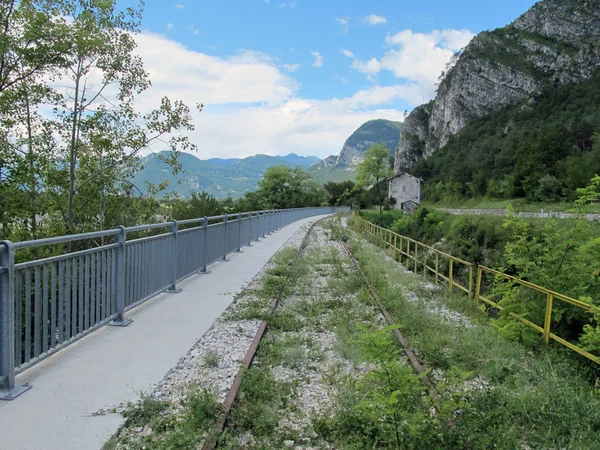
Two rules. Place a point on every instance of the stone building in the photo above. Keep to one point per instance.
(404, 188)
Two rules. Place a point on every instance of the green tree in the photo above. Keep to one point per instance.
(374, 169)
(339, 191)
(282, 187)
(69, 131)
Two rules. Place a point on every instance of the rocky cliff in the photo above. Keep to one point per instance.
(555, 42)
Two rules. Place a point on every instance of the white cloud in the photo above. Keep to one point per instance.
(179, 6)
(343, 21)
(290, 5)
(422, 57)
(347, 53)
(193, 29)
(374, 19)
(369, 68)
(252, 106)
(291, 67)
(416, 57)
(170, 26)
(318, 62)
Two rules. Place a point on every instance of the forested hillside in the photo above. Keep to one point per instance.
(515, 112)
(542, 149)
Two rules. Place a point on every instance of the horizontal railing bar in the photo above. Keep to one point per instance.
(63, 239)
(51, 259)
(187, 230)
(462, 261)
(575, 348)
(512, 314)
(540, 289)
(148, 227)
(147, 238)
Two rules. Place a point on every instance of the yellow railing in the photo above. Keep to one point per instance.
(409, 249)
(418, 256)
(550, 297)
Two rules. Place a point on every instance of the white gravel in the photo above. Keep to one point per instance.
(213, 362)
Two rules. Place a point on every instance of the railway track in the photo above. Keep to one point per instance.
(228, 404)
(232, 394)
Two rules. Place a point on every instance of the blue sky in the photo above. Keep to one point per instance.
(300, 75)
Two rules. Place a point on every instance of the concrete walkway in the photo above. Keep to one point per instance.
(115, 365)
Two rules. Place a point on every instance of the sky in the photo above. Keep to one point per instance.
(282, 76)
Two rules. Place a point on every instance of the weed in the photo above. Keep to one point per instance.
(211, 359)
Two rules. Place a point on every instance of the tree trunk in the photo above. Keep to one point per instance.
(73, 154)
(380, 199)
(31, 160)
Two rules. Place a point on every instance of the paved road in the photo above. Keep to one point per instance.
(114, 365)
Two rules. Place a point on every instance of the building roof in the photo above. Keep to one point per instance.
(398, 175)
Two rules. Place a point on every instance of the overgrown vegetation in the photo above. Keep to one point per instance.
(561, 255)
(151, 423)
(510, 397)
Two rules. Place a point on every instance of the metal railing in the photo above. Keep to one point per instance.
(49, 303)
(550, 297)
(419, 256)
(390, 239)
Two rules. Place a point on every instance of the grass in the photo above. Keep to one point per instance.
(518, 204)
(539, 397)
(169, 430)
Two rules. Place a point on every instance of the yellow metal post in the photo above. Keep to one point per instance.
(425, 265)
(471, 281)
(548, 319)
(437, 264)
(416, 256)
(478, 288)
(395, 245)
(407, 253)
(450, 275)
(401, 250)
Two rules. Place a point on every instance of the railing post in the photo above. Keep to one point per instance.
(548, 319)
(173, 263)
(478, 284)
(395, 245)
(471, 281)
(450, 275)
(119, 292)
(425, 264)
(249, 244)
(205, 268)
(8, 389)
(401, 250)
(224, 258)
(437, 265)
(416, 256)
(264, 219)
(270, 215)
(239, 249)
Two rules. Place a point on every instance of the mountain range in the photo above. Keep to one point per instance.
(236, 176)
(219, 177)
